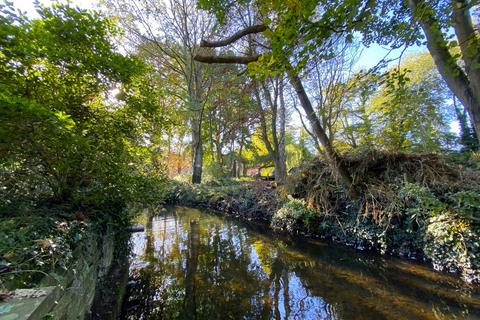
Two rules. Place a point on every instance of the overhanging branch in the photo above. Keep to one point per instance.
(225, 42)
(226, 59)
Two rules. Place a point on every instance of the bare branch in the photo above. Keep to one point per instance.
(225, 42)
(226, 59)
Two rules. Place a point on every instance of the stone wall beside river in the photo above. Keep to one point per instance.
(72, 294)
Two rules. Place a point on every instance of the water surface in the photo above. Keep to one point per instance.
(191, 264)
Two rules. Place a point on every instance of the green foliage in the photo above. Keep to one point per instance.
(453, 244)
(411, 110)
(468, 139)
(420, 202)
(248, 201)
(65, 141)
(37, 245)
(215, 171)
(318, 23)
(294, 216)
(466, 203)
(61, 139)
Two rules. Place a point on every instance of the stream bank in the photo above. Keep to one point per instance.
(415, 206)
(194, 264)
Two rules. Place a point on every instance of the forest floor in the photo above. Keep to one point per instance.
(417, 206)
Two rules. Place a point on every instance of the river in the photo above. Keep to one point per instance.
(193, 264)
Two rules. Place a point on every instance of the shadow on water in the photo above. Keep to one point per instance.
(190, 264)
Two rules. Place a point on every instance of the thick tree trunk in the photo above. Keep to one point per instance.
(470, 47)
(197, 151)
(319, 132)
(195, 96)
(466, 86)
(263, 121)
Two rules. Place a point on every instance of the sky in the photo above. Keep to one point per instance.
(28, 7)
(372, 55)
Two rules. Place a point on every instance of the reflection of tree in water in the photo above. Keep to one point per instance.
(193, 272)
(192, 263)
(141, 295)
(203, 267)
(207, 270)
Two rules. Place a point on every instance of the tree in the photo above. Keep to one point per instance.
(169, 35)
(301, 27)
(411, 110)
(230, 117)
(357, 121)
(327, 82)
(435, 21)
(468, 139)
(282, 65)
(273, 136)
(62, 139)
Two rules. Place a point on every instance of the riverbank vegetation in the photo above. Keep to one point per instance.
(417, 206)
(265, 110)
(70, 159)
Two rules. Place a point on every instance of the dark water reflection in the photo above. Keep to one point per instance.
(190, 264)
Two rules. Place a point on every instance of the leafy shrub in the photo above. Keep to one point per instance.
(452, 243)
(215, 171)
(228, 195)
(467, 203)
(37, 245)
(420, 202)
(70, 145)
(294, 216)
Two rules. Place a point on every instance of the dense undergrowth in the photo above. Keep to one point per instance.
(38, 239)
(40, 243)
(420, 206)
(72, 159)
(250, 200)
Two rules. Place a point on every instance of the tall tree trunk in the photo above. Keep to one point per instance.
(281, 166)
(219, 147)
(212, 149)
(465, 85)
(337, 163)
(195, 96)
(241, 164)
(197, 150)
(272, 150)
(277, 124)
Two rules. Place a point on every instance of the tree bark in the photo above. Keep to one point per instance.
(276, 148)
(470, 48)
(466, 86)
(226, 59)
(240, 34)
(197, 151)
